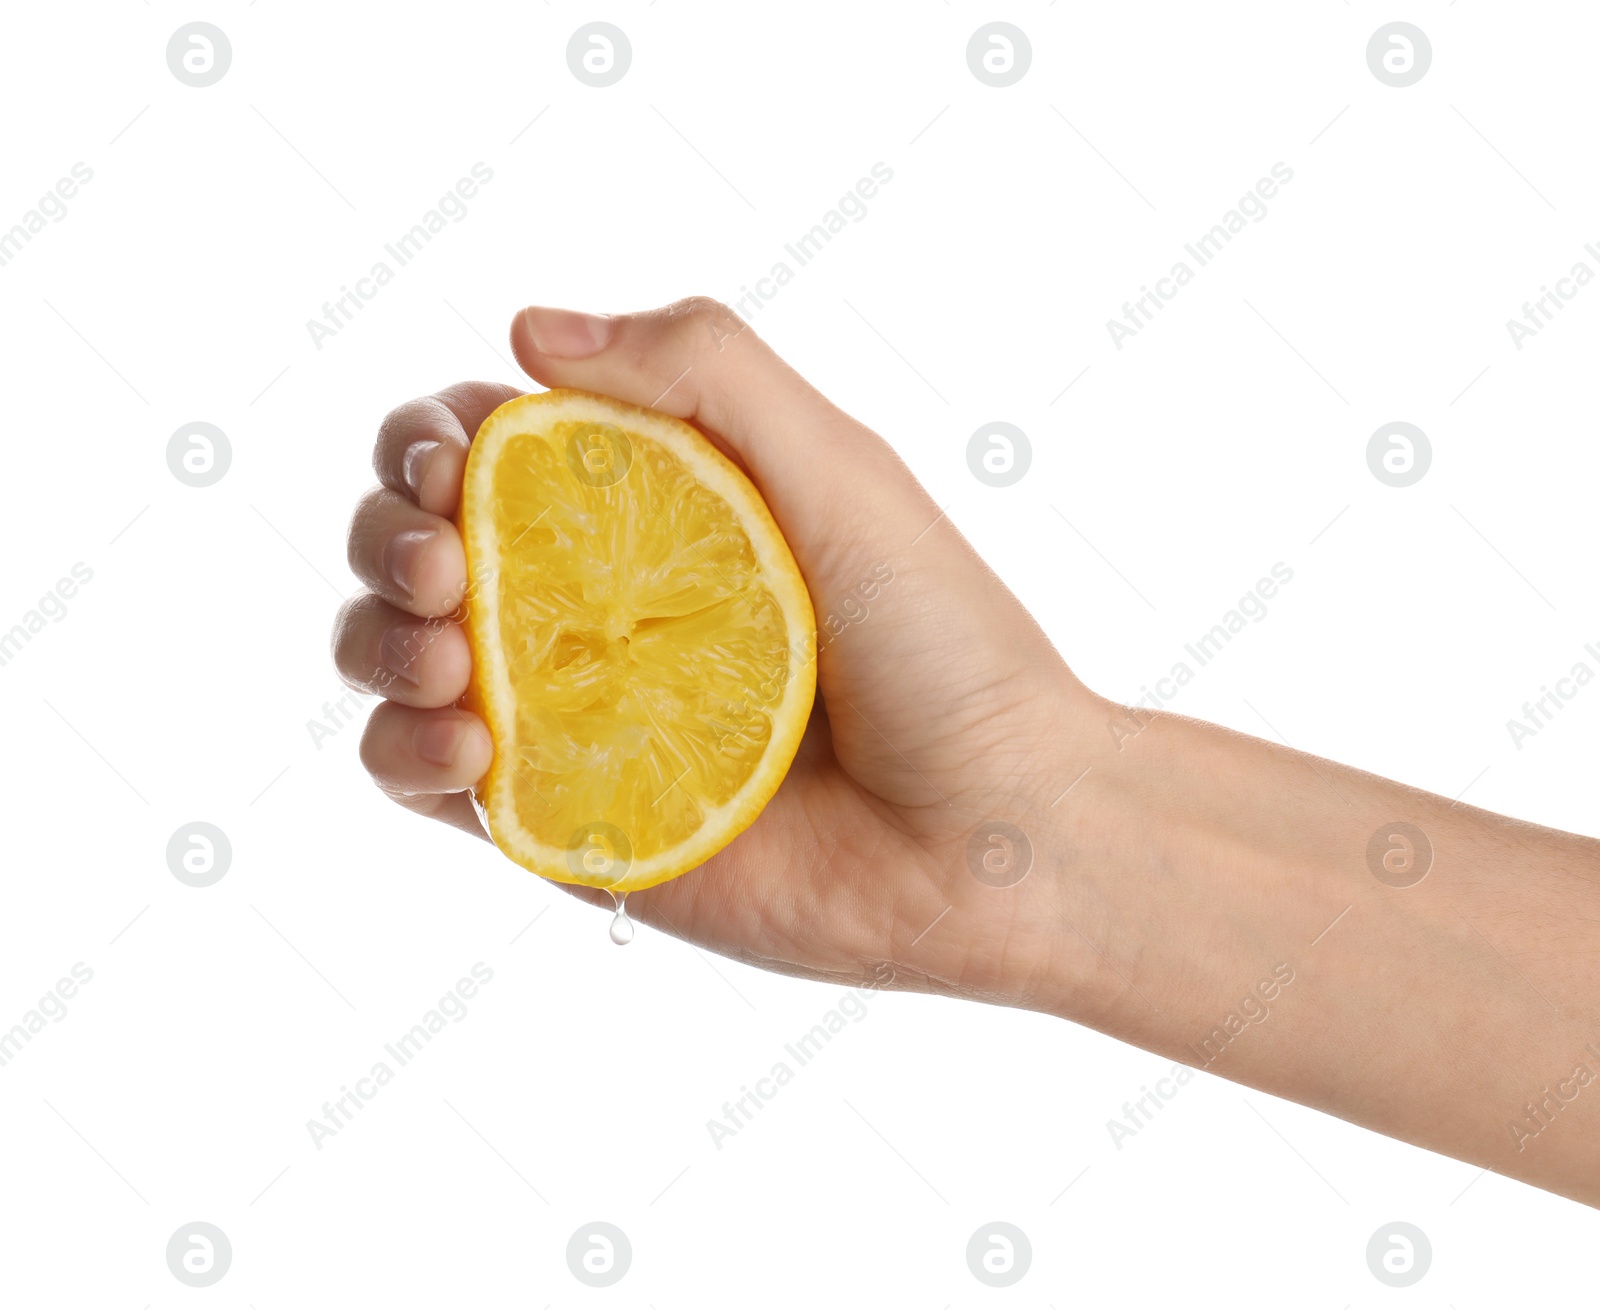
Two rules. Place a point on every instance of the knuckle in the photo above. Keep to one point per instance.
(366, 521)
(463, 397)
(367, 506)
(352, 614)
(355, 537)
(704, 325)
(699, 308)
(375, 739)
(427, 417)
(404, 420)
(351, 629)
(703, 317)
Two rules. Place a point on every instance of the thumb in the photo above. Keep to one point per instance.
(837, 490)
(944, 646)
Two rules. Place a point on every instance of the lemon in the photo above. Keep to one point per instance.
(643, 645)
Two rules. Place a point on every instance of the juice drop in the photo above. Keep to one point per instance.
(621, 925)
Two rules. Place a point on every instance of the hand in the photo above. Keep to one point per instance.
(940, 702)
(1195, 876)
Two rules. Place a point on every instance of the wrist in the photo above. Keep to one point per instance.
(1178, 873)
(1087, 825)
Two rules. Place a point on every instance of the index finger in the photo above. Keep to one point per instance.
(421, 451)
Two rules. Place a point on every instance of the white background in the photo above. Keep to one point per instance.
(1224, 438)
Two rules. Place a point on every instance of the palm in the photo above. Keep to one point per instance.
(860, 857)
(816, 885)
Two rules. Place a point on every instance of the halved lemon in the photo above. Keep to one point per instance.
(643, 645)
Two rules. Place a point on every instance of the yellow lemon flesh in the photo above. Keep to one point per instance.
(643, 645)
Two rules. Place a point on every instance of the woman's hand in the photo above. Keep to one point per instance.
(965, 817)
(904, 833)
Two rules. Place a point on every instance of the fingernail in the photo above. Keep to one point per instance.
(567, 333)
(402, 557)
(435, 742)
(401, 653)
(414, 463)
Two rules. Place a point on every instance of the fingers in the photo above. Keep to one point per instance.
(421, 451)
(420, 750)
(412, 558)
(829, 481)
(381, 649)
(426, 758)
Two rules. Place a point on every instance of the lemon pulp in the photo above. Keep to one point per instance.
(642, 640)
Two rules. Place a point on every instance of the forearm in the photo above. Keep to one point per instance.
(1238, 922)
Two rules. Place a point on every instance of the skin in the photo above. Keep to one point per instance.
(1178, 870)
